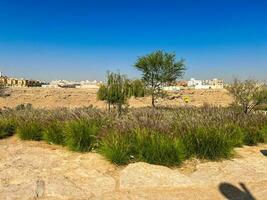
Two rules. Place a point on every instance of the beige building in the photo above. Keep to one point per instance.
(7, 81)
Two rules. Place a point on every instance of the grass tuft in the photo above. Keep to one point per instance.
(81, 135)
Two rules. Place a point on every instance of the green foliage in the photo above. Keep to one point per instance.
(102, 93)
(116, 148)
(26, 106)
(159, 68)
(81, 135)
(54, 132)
(2, 90)
(158, 136)
(137, 88)
(7, 128)
(208, 143)
(31, 130)
(248, 94)
(254, 135)
(143, 145)
(116, 92)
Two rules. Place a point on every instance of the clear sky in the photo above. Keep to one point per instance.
(82, 39)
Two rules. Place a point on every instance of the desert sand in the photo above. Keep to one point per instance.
(71, 97)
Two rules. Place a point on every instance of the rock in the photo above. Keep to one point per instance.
(40, 187)
(143, 175)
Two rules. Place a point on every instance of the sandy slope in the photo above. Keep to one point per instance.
(52, 98)
(30, 169)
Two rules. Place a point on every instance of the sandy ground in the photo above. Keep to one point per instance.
(52, 98)
(36, 170)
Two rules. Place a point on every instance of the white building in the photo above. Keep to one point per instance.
(206, 84)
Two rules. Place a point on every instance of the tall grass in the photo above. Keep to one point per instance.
(143, 145)
(54, 132)
(7, 128)
(32, 130)
(81, 135)
(163, 136)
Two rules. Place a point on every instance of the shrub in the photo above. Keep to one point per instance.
(116, 148)
(208, 143)
(235, 134)
(158, 148)
(54, 132)
(254, 135)
(30, 130)
(142, 145)
(81, 135)
(7, 128)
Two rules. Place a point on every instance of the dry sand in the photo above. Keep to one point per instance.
(62, 97)
(36, 170)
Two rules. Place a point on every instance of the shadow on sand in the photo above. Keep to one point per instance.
(232, 192)
(264, 152)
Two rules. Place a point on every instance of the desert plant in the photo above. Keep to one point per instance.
(248, 94)
(159, 68)
(137, 88)
(116, 92)
(143, 145)
(117, 148)
(102, 92)
(81, 135)
(7, 128)
(158, 148)
(208, 143)
(30, 130)
(54, 132)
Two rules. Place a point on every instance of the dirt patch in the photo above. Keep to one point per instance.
(70, 97)
(36, 170)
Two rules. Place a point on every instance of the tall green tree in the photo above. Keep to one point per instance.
(159, 68)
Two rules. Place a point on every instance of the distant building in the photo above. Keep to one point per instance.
(206, 84)
(14, 82)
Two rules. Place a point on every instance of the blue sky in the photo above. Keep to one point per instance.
(79, 39)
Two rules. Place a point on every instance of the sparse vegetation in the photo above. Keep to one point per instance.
(248, 94)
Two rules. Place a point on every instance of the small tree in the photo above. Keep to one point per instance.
(2, 90)
(248, 94)
(158, 69)
(116, 92)
(137, 88)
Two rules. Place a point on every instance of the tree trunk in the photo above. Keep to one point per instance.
(153, 100)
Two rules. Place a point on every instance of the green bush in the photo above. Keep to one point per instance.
(30, 130)
(235, 134)
(143, 145)
(158, 148)
(208, 143)
(81, 135)
(54, 132)
(7, 128)
(255, 135)
(117, 148)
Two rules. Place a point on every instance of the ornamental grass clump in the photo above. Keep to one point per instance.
(54, 132)
(81, 135)
(142, 145)
(30, 130)
(208, 143)
(7, 128)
